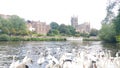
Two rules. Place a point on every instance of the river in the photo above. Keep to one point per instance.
(8, 49)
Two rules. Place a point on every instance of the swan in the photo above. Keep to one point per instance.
(117, 59)
(22, 65)
(17, 64)
(14, 64)
(77, 61)
(41, 59)
(110, 63)
(26, 59)
(67, 64)
(66, 60)
(52, 61)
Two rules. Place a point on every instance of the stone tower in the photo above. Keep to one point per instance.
(74, 21)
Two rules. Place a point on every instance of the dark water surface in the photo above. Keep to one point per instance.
(8, 49)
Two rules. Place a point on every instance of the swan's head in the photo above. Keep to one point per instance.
(28, 61)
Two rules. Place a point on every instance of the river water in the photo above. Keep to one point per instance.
(8, 49)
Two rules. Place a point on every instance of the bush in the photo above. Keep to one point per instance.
(4, 37)
(107, 33)
(91, 39)
(17, 39)
(118, 38)
(46, 39)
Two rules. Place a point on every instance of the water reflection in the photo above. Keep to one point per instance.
(111, 46)
(8, 49)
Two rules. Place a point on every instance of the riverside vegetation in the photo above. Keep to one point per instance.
(14, 29)
(110, 31)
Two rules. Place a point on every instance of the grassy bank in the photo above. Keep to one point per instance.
(5, 37)
(91, 39)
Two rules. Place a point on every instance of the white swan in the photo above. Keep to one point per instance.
(17, 64)
(110, 64)
(27, 59)
(14, 63)
(110, 61)
(77, 62)
(117, 59)
(51, 60)
(66, 60)
(41, 59)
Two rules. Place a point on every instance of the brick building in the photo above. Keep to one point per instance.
(38, 27)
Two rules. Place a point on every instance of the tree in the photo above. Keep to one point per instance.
(13, 25)
(5, 30)
(116, 22)
(63, 29)
(54, 25)
(93, 32)
(18, 25)
(110, 25)
(53, 32)
(71, 30)
(110, 10)
(108, 33)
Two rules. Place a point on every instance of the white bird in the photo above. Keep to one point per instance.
(52, 61)
(110, 64)
(77, 62)
(17, 64)
(23, 64)
(66, 60)
(27, 59)
(14, 63)
(41, 59)
(117, 59)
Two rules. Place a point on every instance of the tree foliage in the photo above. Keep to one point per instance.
(111, 24)
(116, 22)
(110, 13)
(61, 30)
(13, 26)
(108, 33)
(93, 32)
(54, 25)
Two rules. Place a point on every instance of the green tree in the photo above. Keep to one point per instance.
(18, 25)
(116, 22)
(13, 25)
(63, 29)
(110, 24)
(54, 25)
(5, 30)
(53, 32)
(71, 30)
(13, 32)
(108, 33)
(4, 37)
(93, 32)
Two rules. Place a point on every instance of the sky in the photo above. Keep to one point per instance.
(60, 11)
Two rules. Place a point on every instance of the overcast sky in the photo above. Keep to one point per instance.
(60, 11)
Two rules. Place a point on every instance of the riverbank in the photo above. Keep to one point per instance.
(23, 38)
(5, 37)
(92, 39)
